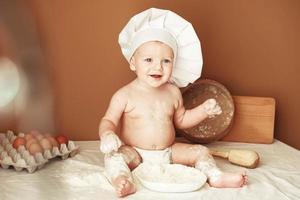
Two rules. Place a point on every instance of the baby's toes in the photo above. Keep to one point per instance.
(245, 179)
(121, 186)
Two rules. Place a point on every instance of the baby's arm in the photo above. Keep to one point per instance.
(108, 125)
(188, 118)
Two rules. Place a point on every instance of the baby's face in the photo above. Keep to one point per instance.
(153, 63)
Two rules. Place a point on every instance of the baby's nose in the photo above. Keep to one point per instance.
(158, 65)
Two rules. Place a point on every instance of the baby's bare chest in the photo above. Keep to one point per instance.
(153, 108)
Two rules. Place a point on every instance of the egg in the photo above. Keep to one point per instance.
(39, 137)
(35, 148)
(28, 136)
(61, 139)
(30, 141)
(35, 133)
(46, 144)
(52, 141)
(18, 142)
(47, 135)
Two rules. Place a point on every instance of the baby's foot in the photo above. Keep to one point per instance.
(229, 180)
(123, 186)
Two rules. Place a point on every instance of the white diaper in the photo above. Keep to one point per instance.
(155, 156)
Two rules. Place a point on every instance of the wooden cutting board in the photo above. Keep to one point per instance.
(253, 120)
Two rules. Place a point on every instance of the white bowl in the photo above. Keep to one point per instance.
(169, 177)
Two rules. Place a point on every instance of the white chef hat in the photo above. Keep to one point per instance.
(167, 27)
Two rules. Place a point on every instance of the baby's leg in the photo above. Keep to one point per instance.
(117, 169)
(198, 156)
(131, 156)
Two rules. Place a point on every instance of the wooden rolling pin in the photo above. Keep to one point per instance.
(245, 158)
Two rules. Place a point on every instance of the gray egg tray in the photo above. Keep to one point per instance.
(21, 159)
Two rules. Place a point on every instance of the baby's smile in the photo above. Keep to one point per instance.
(156, 76)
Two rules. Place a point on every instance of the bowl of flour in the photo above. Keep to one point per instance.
(169, 177)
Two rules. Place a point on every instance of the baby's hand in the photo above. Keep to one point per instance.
(110, 142)
(211, 108)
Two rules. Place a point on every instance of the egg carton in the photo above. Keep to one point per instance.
(21, 159)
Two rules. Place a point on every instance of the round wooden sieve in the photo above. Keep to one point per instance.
(210, 129)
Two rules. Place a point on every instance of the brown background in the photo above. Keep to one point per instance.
(252, 47)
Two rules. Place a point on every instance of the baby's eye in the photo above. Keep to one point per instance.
(148, 59)
(167, 61)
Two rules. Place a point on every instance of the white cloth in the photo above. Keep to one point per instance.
(167, 27)
(81, 177)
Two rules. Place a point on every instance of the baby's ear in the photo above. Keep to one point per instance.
(132, 64)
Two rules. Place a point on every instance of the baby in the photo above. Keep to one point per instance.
(149, 107)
